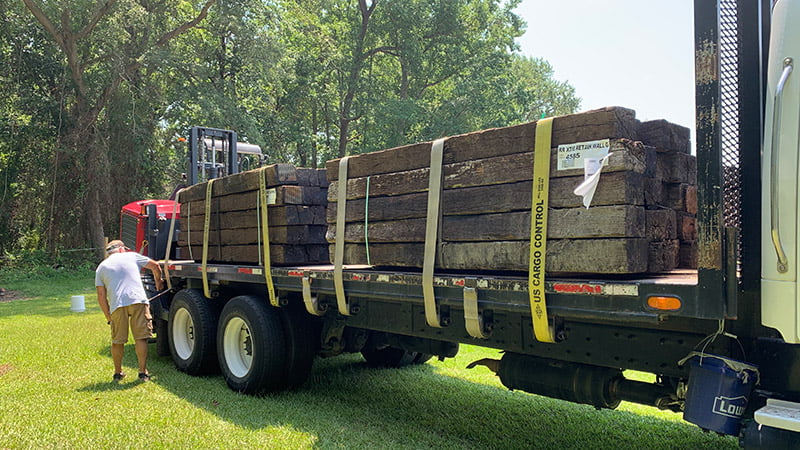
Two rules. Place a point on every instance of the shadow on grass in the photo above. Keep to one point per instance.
(109, 386)
(345, 402)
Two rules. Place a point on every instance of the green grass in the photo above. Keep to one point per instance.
(55, 391)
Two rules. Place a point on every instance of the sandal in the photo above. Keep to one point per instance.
(144, 377)
(119, 376)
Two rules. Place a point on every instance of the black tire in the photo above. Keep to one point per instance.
(192, 332)
(251, 345)
(302, 338)
(161, 328)
(393, 357)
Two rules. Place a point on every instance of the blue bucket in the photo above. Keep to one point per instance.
(718, 391)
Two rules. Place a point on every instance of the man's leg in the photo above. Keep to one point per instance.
(141, 354)
(142, 329)
(116, 354)
(119, 336)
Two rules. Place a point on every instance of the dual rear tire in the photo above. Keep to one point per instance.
(257, 347)
(192, 330)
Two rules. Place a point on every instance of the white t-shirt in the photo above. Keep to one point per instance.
(120, 274)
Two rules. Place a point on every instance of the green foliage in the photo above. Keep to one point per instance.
(43, 265)
(86, 129)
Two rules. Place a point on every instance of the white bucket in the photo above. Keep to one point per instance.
(78, 304)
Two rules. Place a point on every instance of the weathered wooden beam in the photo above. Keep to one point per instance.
(250, 254)
(665, 136)
(609, 256)
(293, 235)
(612, 122)
(623, 157)
(278, 216)
(276, 174)
(574, 223)
(663, 255)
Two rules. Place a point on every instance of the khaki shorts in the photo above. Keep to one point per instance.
(137, 316)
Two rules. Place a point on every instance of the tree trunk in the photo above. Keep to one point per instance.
(345, 114)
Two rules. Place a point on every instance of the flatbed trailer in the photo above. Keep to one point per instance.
(392, 301)
(263, 326)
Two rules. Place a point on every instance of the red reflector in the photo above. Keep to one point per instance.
(578, 288)
(664, 303)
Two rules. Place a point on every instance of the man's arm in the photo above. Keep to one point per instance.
(156, 269)
(102, 300)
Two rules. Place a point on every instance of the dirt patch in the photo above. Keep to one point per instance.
(5, 368)
(10, 296)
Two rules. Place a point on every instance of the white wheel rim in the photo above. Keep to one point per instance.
(183, 333)
(237, 347)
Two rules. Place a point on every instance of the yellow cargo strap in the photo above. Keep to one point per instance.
(188, 226)
(538, 245)
(169, 238)
(206, 227)
(339, 243)
(264, 222)
(473, 319)
(432, 234)
(311, 301)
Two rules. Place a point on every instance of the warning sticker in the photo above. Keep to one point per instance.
(572, 156)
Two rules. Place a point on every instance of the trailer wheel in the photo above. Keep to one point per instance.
(162, 340)
(393, 357)
(252, 346)
(160, 326)
(192, 330)
(302, 338)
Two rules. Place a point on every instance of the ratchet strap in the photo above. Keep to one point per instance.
(338, 252)
(264, 223)
(538, 244)
(206, 227)
(188, 227)
(311, 301)
(432, 233)
(169, 239)
(473, 319)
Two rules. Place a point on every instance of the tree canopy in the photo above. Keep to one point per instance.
(97, 93)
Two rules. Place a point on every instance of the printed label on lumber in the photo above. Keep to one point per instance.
(572, 156)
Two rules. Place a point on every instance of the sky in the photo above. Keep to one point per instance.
(632, 53)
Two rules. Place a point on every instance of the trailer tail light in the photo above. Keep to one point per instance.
(664, 302)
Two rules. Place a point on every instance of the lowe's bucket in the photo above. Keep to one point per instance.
(718, 391)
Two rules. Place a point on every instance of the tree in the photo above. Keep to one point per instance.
(225, 74)
(104, 46)
(32, 81)
(374, 75)
(96, 93)
(443, 54)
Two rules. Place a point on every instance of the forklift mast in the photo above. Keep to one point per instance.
(215, 153)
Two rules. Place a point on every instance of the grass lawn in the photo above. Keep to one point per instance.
(55, 391)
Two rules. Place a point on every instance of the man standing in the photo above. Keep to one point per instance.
(124, 302)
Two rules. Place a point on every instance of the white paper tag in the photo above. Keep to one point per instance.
(591, 166)
(587, 188)
(272, 196)
(572, 156)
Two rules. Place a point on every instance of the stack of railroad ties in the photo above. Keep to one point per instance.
(641, 218)
(295, 204)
